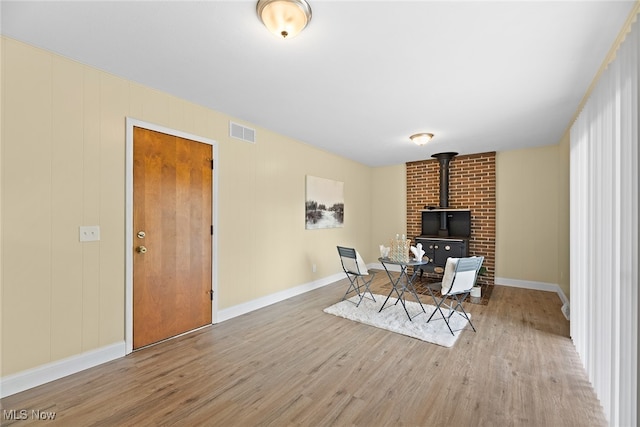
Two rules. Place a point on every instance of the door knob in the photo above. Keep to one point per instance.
(141, 249)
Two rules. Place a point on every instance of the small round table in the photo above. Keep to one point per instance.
(404, 282)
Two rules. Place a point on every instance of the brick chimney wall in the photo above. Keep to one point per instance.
(472, 185)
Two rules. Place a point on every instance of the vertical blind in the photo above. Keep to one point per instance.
(604, 234)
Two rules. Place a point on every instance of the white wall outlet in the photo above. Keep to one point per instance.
(89, 233)
(313, 268)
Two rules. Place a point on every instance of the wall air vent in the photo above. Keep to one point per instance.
(242, 132)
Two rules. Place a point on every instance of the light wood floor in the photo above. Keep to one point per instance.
(291, 364)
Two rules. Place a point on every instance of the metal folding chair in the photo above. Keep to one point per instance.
(357, 273)
(460, 275)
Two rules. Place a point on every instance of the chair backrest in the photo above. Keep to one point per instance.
(460, 274)
(352, 262)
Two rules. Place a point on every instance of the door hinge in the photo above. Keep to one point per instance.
(211, 294)
(212, 230)
(212, 164)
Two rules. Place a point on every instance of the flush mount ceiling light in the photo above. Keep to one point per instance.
(421, 138)
(284, 18)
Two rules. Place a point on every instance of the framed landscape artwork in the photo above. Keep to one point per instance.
(324, 206)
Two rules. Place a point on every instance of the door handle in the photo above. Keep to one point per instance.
(141, 249)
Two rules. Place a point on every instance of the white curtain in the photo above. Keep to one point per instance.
(604, 234)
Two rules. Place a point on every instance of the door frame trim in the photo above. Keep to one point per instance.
(128, 311)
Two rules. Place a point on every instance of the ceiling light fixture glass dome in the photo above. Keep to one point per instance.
(421, 138)
(284, 18)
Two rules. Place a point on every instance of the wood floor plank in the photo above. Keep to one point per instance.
(292, 364)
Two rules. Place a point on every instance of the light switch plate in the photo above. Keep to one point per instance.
(89, 233)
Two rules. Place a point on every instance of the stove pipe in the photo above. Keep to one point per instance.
(444, 159)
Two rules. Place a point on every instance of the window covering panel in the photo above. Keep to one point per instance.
(604, 234)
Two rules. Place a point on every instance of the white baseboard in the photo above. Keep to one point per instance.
(30, 378)
(43, 374)
(21, 381)
(539, 286)
(503, 281)
(249, 306)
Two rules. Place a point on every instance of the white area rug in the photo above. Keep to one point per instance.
(393, 318)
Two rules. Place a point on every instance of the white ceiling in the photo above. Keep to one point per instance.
(363, 76)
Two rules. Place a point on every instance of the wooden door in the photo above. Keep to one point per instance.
(172, 227)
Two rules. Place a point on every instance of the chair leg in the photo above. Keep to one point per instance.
(365, 286)
(433, 297)
(360, 294)
(459, 304)
(352, 286)
(452, 310)
(438, 308)
(367, 283)
(356, 282)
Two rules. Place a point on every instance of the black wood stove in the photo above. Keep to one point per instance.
(445, 231)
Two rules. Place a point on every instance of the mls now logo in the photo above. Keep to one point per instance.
(23, 414)
(42, 415)
(15, 414)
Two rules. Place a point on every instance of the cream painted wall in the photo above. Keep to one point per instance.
(267, 229)
(389, 207)
(532, 218)
(563, 238)
(63, 166)
(526, 197)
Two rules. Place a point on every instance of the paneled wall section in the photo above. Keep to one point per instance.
(472, 185)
